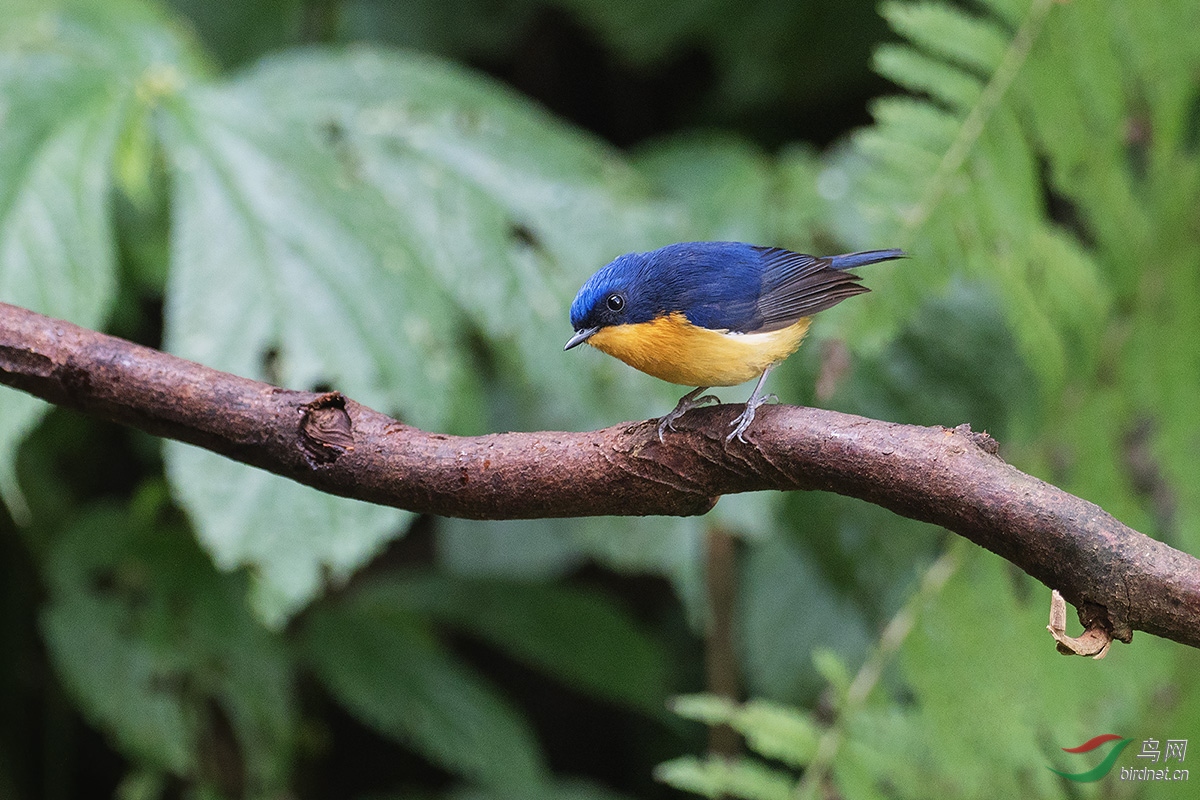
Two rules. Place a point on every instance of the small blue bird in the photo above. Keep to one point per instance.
(711, 313)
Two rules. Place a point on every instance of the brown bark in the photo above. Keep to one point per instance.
(948, 476)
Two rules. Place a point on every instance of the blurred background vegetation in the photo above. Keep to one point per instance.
(399, 199)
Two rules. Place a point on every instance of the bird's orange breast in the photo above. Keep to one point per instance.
(672, 349)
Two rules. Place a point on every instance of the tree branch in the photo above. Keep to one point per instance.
(1114, 575)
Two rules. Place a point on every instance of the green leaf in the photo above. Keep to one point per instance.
(989, 623)
(724, 181)
(570, 789)
(503, 207)
(160, 652)
(349, 220)
(282, 274)
(924, 129)
(954, 361)
(835, 672)
(57, 247)
(113, 680)
(771, 730)
(710, 709)
(778, 732)
(918, 72)
(68, 74)
(387, 671)
(286, 267)
(671, 547)
(56, 252)
(975, 42)
(959, 182)
(787, 608)
(717, 777)
(293, 536)
(578, 636)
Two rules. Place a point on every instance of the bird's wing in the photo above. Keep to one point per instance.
(795, 285)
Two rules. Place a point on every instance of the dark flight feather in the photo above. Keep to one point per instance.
(796, 285)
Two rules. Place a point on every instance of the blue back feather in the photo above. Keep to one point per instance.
(719, 285)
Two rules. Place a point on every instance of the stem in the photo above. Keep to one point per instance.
(976, 120)
(897, 630)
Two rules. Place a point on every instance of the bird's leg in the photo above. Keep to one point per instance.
(757, 398)
(686, 404)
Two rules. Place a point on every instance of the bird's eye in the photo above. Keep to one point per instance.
(615, 302)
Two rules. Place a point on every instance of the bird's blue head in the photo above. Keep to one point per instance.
(618, 294)
(713, 284)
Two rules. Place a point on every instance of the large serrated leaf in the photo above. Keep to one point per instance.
(285, 269)
(286, 266)
(66, 80)
(346, 220)
(294, 537)
(505, 208)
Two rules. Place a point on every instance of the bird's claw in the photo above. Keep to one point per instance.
(686, 404)
(743, 421)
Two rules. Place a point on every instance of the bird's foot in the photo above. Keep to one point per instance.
(686, 404)
(740, 424)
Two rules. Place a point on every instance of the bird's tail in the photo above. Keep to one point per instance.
(852, 260)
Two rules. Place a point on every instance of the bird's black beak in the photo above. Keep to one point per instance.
(580, 337)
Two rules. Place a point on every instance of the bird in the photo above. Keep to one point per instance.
(710, 314)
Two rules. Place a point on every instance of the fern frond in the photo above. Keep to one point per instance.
(953, 169)
(951, 33)
(974, 43)
(917, 72)
(916, 123)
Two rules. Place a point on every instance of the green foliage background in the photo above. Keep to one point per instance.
(336, 194)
